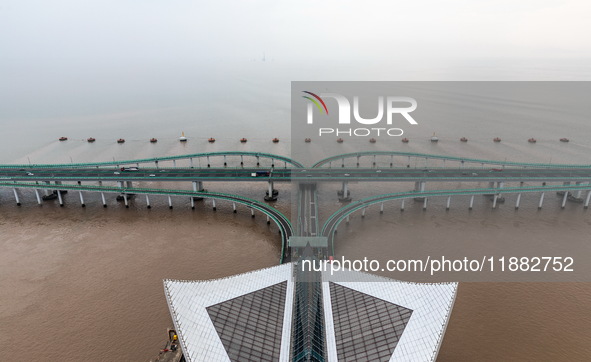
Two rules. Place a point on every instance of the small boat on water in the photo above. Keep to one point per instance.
(463, 139)
(50, 196)
(91, 139)
(404, 140)
(532, 140)
(211, 140)
(372, 140)
(63, 138)
(120, 140)
(434, 138)
(340, 140)
(182, 138)
(564, 139)
(308, 140)
(153, 140)
(243, 140)
(275, 140)
(496, 139)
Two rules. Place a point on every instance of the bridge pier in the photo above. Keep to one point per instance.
(129, 184)
(425, 204)
(344, 194)
(197, 187)
(18, 202)
(46, 191)
(271, 194)
(348, 218)
(517, 202)
(103, 198)
(448, 203)
(192, 203)
(81, 199)
(564, 198)
(268, 220)
(471, 202)
(126, 200)
(191, 160)
(579, 192)
(402, 205)
(59, 197)
(234, 207)
(382, 208)
(169, 202)
(251, 212)
(586, 206)
(38, 197)
(214, 207)
(363, 212)
(208, 163)
(148, 202)
(225, 162)
(541, 201)
(173, 163)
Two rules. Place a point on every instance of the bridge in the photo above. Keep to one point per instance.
(54, 179)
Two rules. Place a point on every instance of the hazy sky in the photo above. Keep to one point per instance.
(193, 31)
(53, 51)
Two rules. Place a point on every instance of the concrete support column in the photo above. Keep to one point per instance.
(268, 220)
(126, 200)
(234, 207)
(541, 201)
(402, 205)
(271, 192)
(213, 201)
(59, 197)
(564, 198)
(425, 204)
(38, 197)
(192, 203)
(448, 202)
(148, 202)
(471, 202)
(129, 184)
(587, 199)
(495, 197)
(251, 212)
(174, 163)
(363, 212)
(81, 199)
(191, 159)
(103, 198)
(225, 161)
(348, 218)
(517, 202)
(382, 208)
(579, 192)
(18, 202)
(169, 202)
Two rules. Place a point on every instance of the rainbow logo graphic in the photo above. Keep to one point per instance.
(315, 100)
